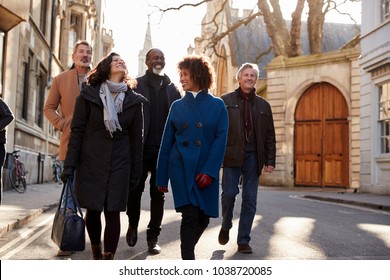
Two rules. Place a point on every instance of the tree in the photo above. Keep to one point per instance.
(284, 41)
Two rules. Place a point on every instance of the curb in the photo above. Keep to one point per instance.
(351, 202)
(24, 221)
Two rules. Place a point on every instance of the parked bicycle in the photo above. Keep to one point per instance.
(17, 174)
(57, 169)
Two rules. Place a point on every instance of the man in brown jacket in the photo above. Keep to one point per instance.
(64, 90)
(63, 93)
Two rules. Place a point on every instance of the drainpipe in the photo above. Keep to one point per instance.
(49, 77)
(41, 158)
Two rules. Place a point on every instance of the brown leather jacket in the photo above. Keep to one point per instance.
(264, 130)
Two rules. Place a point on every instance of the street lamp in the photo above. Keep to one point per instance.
(190, 49)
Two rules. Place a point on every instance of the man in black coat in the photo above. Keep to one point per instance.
(160, 93)
(6, 117)
(250, 149)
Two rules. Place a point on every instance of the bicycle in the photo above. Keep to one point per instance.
(17, 174)
(57, 169)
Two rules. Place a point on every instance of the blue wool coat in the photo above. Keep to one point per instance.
(194, 142)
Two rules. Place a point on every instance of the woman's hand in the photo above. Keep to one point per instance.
(203, 180)
(163, 189)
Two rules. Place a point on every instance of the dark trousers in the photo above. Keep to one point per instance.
(193, 224)
(157, 198)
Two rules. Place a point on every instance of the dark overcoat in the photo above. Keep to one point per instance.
(105, 164)
(194, 142)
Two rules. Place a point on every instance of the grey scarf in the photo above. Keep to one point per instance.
(112, 105)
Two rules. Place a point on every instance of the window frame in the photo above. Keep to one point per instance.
(384, 117)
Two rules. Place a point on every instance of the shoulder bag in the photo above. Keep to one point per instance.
(68, 230)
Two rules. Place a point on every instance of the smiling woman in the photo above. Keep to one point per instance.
(103, 146)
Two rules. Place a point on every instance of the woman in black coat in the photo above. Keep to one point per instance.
(105, 150)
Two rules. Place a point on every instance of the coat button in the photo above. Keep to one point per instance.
(197, 143)
(185, 143)
(199, 125)
(185, 125)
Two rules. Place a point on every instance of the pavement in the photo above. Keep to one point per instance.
(18, 209)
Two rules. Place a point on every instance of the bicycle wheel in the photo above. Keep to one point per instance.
(57, 174)
(18, 181)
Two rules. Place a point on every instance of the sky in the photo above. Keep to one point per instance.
(173, 31)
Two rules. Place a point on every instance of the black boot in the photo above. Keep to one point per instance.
(97, 251)
(131, 236)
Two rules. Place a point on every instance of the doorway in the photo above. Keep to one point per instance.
(321, 138)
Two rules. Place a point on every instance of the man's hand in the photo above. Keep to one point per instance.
(133, 184)
(203, 180)
(269, 168)
(163, 189)
(67, 173)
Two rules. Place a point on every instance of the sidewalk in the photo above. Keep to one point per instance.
(18, 209)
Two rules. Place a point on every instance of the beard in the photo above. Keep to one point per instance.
(158, 71)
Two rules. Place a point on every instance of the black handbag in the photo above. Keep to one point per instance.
(68, 230)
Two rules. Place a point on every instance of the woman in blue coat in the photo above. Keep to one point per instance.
(192, 151)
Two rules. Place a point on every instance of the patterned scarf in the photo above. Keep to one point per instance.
(112, 105)
(246, 112)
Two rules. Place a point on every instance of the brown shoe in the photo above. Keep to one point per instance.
(244, 248)
(223, 236)
(61, 253)
(97, 251)
(108, 256)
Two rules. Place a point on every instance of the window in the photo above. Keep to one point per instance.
(385, 10)
(384, 117)
(75, 33)
(26, 86)
(43, 18)
(40, 98)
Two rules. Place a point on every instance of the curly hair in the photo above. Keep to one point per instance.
(101, 73)
(201, 70)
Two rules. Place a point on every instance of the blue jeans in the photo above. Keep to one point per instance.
(230, 189)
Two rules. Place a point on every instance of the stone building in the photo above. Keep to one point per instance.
(315, 98)
(33, 52)
(375, 97)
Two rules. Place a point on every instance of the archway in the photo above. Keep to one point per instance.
(321, 138)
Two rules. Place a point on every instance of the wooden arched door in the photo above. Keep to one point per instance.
(321, 138)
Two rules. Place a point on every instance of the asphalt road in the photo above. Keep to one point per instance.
(287, 227)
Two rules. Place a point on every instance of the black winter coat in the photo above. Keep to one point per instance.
(105, 164)
(171, 94)
(6, 117)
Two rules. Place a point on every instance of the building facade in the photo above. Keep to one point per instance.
(315, 102)
(33, 52)
(315, 98)
(375, 97)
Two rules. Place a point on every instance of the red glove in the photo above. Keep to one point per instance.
(203, 180)
(162, 189)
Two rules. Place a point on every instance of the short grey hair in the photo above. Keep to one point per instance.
(248, 65)
(81, 42)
